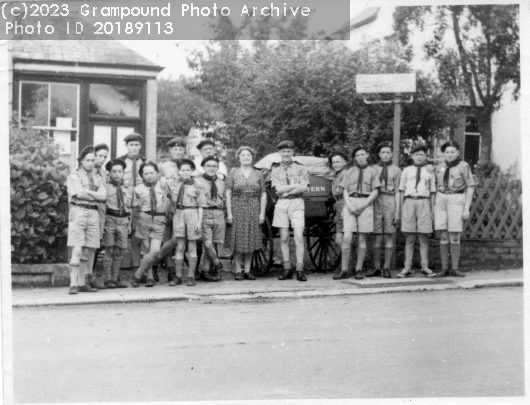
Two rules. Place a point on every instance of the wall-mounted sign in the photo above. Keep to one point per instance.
(386, 83)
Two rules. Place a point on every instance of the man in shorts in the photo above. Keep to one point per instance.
(85, 191)
(290, 180)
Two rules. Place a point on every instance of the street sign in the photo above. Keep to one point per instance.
(386, 83)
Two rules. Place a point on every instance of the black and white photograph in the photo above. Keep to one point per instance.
(302, 201)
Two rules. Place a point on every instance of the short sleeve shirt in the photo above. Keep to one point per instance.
(426, 186)
(112, 197)
(394, 176)
(143, 195)
(351, 178)
(193, 197)
(460, 177)
(283, 175)
(78, 181)
(336, 188)
(128, 174)
(219, 202)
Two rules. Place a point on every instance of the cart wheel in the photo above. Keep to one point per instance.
(262, 258)
(323, 251)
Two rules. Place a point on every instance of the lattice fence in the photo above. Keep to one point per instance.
(496, 211)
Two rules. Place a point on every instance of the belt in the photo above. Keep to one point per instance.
(357, 195)
(184, 207)
(453, 192)
(155, 214)
(291, 197)
(211, 208)
(385, 193)
(117, 213)
(87, 206)
(417, 198)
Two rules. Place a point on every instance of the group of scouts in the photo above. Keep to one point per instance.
(167, 207)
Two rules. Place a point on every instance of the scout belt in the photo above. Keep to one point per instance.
(291, 197)
(87, 206)
(357, 195)
(452, 192)
(185, 207)
(155, 214)
(210, 208)
(417, 198)
(117, 213)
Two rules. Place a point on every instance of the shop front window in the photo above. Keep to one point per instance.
(115, 100)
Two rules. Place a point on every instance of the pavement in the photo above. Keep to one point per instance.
(269, 287)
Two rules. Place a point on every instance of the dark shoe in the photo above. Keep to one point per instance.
(119, 284)
(94, 282)
(150, 282)
(342, 274)
(110, 284)
(288, 275)
(442, 273)
(300, 276)
(86, 288)
(249, 276)
(191, 282)
(135, 282)
(386, 273)
(99, 284)
(359, 275)
(202, 276)
(238, 276)
(72, 290)
(171, 273)
(155, 273)
(143, 279)
(373, 273)
(457, 273)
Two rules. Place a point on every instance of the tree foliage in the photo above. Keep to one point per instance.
(484, 60)
(38, 187)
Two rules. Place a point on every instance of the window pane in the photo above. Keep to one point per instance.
(118, 101)
(34, 103)
(471, 124)
(121, 133)
(64, 107)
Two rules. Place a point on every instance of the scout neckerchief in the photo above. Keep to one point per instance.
(384, 173)
(134, 167)
(91, 184)
(98, 170)
(286, 166)
(360, 178)
(119, 193)
(447, 169)
(151, 186)
(180, 197)
(213, 186)
(418, 173)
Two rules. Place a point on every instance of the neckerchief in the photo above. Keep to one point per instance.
(98, 170)
(213, 186)
(384, 173)
(119, 193)
(286, 166)
(134, 167)
(360, 178)
(447, 169)
(91, 184)
(153, 196)
(180, 197)
(418, 173)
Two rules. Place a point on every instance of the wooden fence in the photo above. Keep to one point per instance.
(496, 211)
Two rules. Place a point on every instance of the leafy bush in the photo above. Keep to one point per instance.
(38, 192)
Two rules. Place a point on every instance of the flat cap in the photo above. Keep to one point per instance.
(133, 137)
(100, 146)
(357, 149)
(382, 145)
(111, 163)
(177, 141)
(419, 147)
(205, 142)
(285, 145)
(86, 150)
(187, 162)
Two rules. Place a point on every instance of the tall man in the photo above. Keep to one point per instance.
(207, 148)
(290, 179)
(132, 177)
(386, 209)
(85, 190)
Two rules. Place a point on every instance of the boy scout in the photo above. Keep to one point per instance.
(360, 184)
(85, 190)
(290, 179)
(338, 161)
(118, 213)
(213, 221)
(189, 202)
(207, 148)
(417, 187)
(386, 209)
(133, 160)
(453, 199)
(152, 197)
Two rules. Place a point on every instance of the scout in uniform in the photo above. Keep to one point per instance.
(338, 161)
(455, 193)
(290, 179)
(189, 202)
(85, 190)
(213, 221)
(152, 197)
(360, 184)
(417, 188)
(386, 209)
(207, 148)
(117, 220)
(132, 177)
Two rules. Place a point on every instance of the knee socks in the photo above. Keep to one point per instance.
(409, 253)
(116, 265)
(192, 261)
(74, 274)
(82, 272)
(346, 251)
(424, 252)
(389, 251)
(107, 264)
(377, 258)
(179, 264)
(455, 255)
(361, 253)
(444, 255)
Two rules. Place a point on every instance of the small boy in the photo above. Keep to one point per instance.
(117, 221)
(417, 189)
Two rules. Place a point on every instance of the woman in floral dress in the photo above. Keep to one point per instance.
(246, 201)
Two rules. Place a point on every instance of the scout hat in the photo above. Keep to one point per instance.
(285, 145)
(454, 144)
(133, 137)
(177, 141)
(419, 147)
(337, 153)
(357, 149)
(86, 150)
(205, 142)
(111, 163)
(186, 162)
(382, 145)
(100, 146)
(207, 159)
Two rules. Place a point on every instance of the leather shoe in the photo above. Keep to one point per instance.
(143, 279)
(72, 290)
(135, 282)
(150, 282)
(86, 288)
(386, 273)
(300, 276)
(249, 276)
(110, 284)
(342, 274)
(191, 282)
(359, 275)
(457, 273)
(175, 281)
(155, 273)
(119, 284)
(171, 273)
(288, 275)
(442, 273)
(373, 273)
(94, 282)
(238, 276)
(202, 276)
